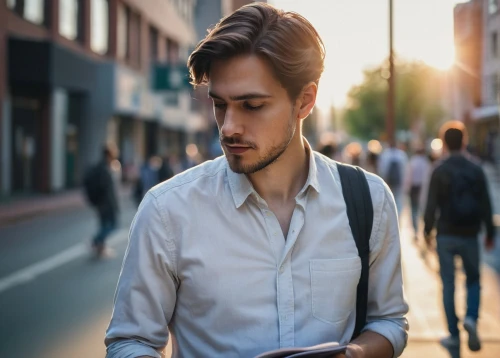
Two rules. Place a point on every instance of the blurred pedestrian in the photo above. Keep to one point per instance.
(101, 193)
(392, 168)
(329, 147)
(176, 164)
(458, 191)
(254, 250)
(148, 177)
(165, 172)
(329, 150)
(417, 172)
(352, 153)
(374, 148)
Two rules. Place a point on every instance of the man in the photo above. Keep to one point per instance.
(392, 168)
(417, 171)
(458, 190)
(253, 251)
(100, 191)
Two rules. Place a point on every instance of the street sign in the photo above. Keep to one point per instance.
(170, 77)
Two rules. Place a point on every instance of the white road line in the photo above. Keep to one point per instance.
(33, 271)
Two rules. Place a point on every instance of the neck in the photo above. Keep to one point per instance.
(455, 152)
(282, 180)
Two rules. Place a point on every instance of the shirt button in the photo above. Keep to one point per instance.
(282, 269)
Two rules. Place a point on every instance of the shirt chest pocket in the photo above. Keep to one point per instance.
(333, 288)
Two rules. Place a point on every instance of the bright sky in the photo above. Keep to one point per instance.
(355, 33)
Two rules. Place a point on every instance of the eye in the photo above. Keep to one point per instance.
(248, 106)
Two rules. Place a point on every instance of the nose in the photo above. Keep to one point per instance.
(232, 125)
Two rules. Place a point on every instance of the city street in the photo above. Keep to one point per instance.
(56, 301)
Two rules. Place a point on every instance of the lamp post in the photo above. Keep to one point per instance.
(390, 128)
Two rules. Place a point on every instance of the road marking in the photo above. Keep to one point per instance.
(33, 271)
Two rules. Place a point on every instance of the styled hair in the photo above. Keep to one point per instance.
(288, 41)
(454, 135)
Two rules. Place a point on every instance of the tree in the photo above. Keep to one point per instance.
(418, 100)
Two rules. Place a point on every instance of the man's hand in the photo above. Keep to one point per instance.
(490, 243)
(353, 351)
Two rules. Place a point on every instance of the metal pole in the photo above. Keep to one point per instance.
(390, 128)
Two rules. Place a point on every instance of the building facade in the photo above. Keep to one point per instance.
(467, 72)
(75, 74)
(485, 116)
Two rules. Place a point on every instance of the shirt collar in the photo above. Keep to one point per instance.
(241, 188)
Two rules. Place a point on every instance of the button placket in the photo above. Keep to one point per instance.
(286, 305)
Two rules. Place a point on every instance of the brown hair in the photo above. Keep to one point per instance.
(454, 135)
(285, 39)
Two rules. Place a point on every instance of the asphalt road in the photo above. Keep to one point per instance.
(55, 300)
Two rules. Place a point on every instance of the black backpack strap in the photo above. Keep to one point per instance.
(359, 206)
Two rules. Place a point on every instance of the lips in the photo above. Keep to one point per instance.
(236, 149)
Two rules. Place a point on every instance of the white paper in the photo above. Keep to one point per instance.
(319, 351)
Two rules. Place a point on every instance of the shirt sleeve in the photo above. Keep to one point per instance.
(387, 308)
(146, 293)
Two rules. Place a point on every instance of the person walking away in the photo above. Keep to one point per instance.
(100, 191)
(417, 171)
(458, 191)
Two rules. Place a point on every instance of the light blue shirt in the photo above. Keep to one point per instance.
(207, 261)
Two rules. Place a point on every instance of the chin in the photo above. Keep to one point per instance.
(237, 165)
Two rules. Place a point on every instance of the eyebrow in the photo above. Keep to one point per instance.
(242, 97)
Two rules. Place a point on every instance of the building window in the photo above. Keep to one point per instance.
(123, 25)
(172, 52)
(494, 44)
(495, 87)
(99, 23)
(493, 6)
(31, 10)
(134, 35)
(70, 18)
(153, 44)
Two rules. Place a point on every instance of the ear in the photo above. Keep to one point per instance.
(307, 100)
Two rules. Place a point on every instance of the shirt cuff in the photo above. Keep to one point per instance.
(130, 349)
(394, 330)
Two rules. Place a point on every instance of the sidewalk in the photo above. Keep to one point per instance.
(29, 207)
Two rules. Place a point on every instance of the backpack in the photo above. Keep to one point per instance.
(464, 196)
(393, 178)
(92, 185)
(359, 206)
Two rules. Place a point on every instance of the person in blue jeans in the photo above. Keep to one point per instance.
(102, 195)
(458, 191)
